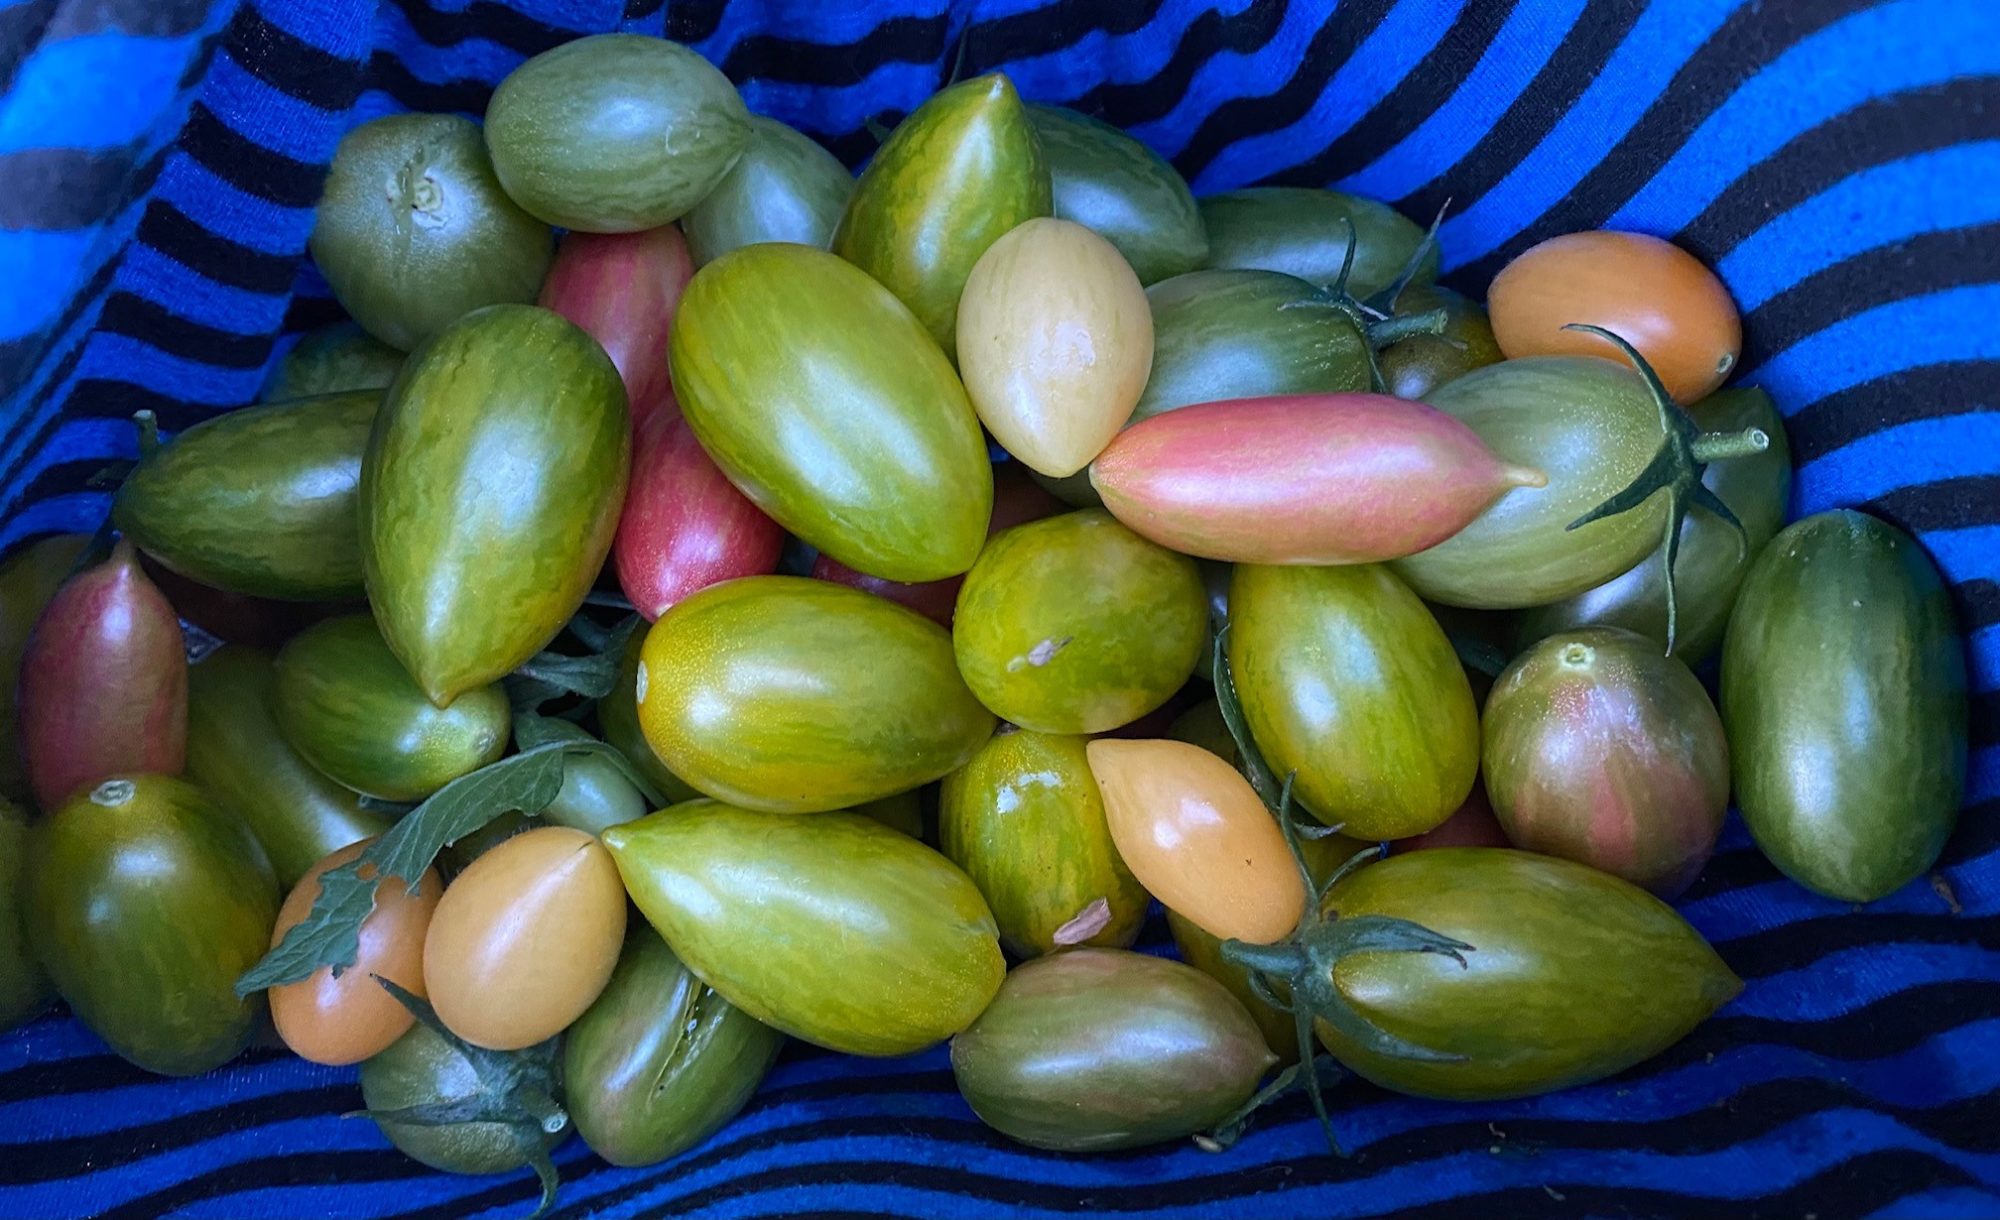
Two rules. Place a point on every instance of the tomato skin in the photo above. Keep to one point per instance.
(1415, 366)
(685, 526)
(1348, 680)
(834, 928)
(421, 1068)
(1197, 837)
(351, 710)
(784, 187)
(103, 687)
(623, 290)
(25, 989)
(444, 239)
(1097, 1049)
(618, 717)
(1844, 695)
(1473, 824)
(1713, 558)
(332, 359)
(1601, 750)
(525, 938)
(1122, 190)
(1574, 975)
(800, 696)
(1075, 624)
(236, 753)
(28, 580)
(660, 1062)
(344, 1020)
(1025, 821)
(1304, 232)
(1055, 341)
(613, 133)
(146, 902)
(1650, 292)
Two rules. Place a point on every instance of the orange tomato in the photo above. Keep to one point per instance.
(1653, 294)
(347, 1019)
(1195, 834)
(525, 938)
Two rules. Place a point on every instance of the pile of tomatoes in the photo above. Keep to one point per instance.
(526, 781)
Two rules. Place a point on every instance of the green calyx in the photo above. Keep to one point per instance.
(1376, 319)
(517, 1091)
(1685, 452)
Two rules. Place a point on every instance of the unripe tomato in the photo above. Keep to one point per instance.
(1655, 295)
(350, 1018)
(525, 938)
(1195, 834)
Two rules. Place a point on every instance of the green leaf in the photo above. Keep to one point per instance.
(591, 675)
(528, 694)
(329, 935)
(389, 809)
(1255, 769)
(531, 730)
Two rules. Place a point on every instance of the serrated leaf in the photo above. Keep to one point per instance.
(527, 781)
(329, 935)
(531, 730)
(591, 676)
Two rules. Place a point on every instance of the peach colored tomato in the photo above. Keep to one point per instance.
(347, 1019)
(525, 938)
(1195, 834)
(1654, 294)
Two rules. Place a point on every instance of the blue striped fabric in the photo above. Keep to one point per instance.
(1839, 162)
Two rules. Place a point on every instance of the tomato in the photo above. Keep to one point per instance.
(1054, 343)
(1601, 750)
(614, 133)
(1095, 1049)
(1197, 837)
(685, 526)
(834, 928)
(855, 434)
(1652, 293)
(1074, 624)
(422, 1068)
(489, 494)
(1346, 679)
(1713, 557)
(1302, 479)
(1415, 366)
(525, 938)
(145, 902)
(259, 501)
(1121, 190)
(784, 187)
(1844, 694)
(595, 794)
(413, 229)
(459, 854)
(618, 717)
(25, 989)
(660, 1062)
(1472, 825)
(1306, 232)
(903, 812)
(332, 359)
(797, 695)
(623, 290)
(1246, 334)
(236, 753)
(347, 706)
(962, 169)
(103, 687)
(1025, 821)
(27, 581)
(350, 1018)
(1568, 975)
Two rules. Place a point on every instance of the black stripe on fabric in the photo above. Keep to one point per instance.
(247, 165)
(174, 234)
(464, 96)
(1892, 1025)
(1916, 266)
(68, 476)
(1238, 118)
(693, 21)
(1730, 871)
(290, 64)
(639, 10)
(273, 1173)
(135, 317)
(111, 398)
(1926, 392)
(1876, 132)
(1578, 58)
(140, 18)
(31, 1161)
(1942, 505)
(21, 30)
(1413, 100)
(1984, 730)
(64, 188)
(198, 63)
(1050, 29)
(486, 20)
(1801, 943)
(1207, 36)
(1747, 40)
(1978, 603)
(1977, 835)
(900, 40)
(311, 313)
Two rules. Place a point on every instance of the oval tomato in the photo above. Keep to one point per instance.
(618, 717)
(1306, 232)
(685, 526)
(423, 1068)
(1121, 190)
(332, 359)
(1415, 366)
(784, 187)
(623, 290)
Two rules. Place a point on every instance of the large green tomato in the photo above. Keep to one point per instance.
(1128, 194)
(1306, 232)
(784, 187)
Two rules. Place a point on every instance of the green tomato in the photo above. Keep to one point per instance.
(1075, 624)
(1128, 194)
(784, 187)
(349, 708)
(1025, 820)
(660, 1062)
(618, 717)
(413, 230)
(422, 1068)
(146, 901)
(614, 133)
(330, 360)
(1844, 697)
(833, 928)
(1305, 232)
(25, 989)
(1415, 366)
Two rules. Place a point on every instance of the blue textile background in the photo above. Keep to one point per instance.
(1839, 162)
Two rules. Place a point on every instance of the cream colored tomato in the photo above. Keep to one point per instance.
(525, 938)
(1195, 834)
(1653, 294)
(347, 1019)
(1055, 342)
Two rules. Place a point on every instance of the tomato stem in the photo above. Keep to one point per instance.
(149, 430)
(1716, 446)
(1385, 331)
